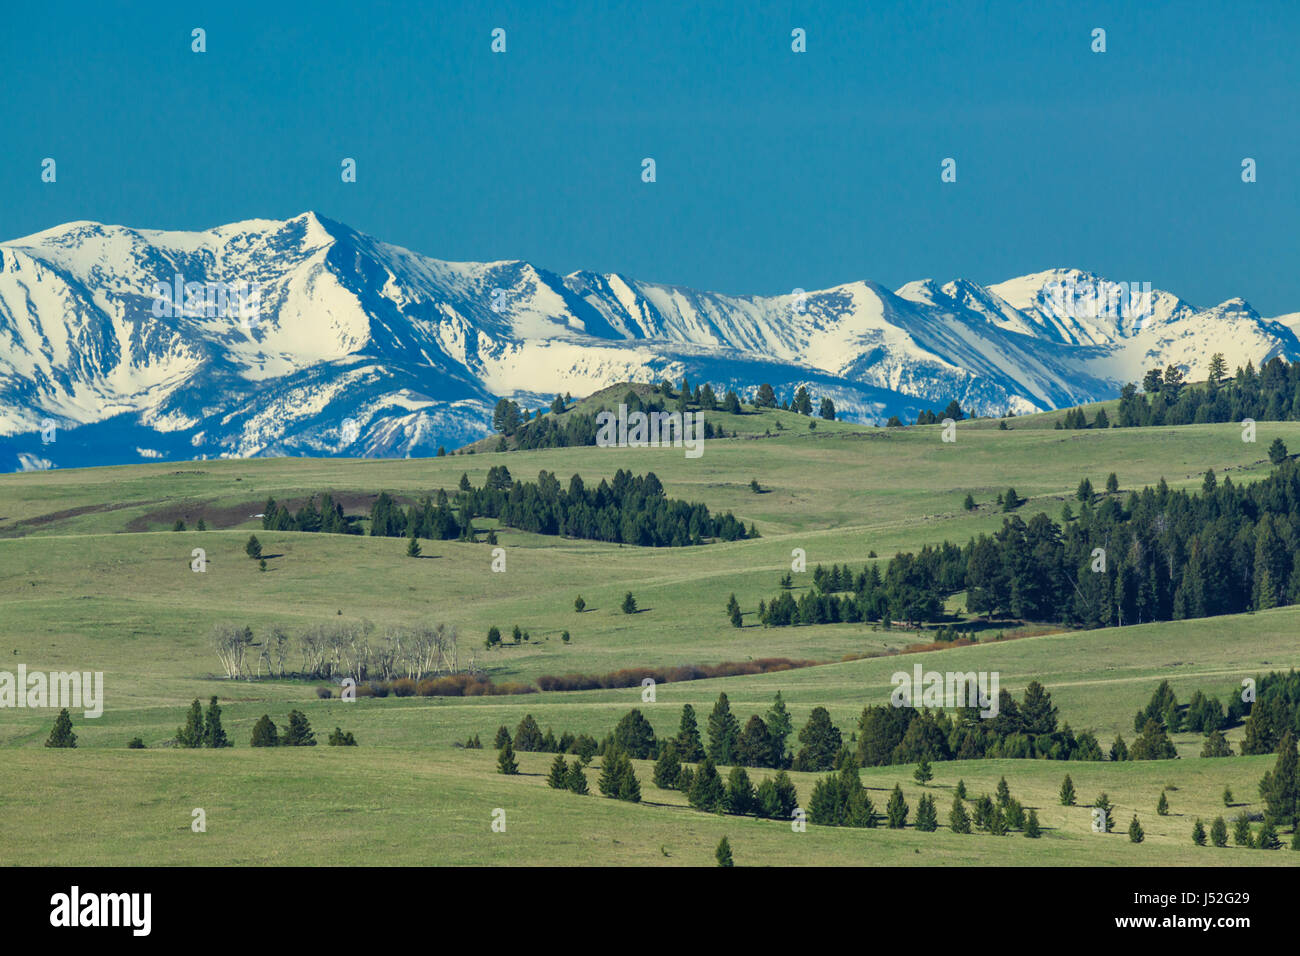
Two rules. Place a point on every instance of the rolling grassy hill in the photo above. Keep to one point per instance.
(92, 578)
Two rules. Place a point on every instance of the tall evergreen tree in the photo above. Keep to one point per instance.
(506, 763)
(558, 778)
(821, 741)
(1135, 833)
(577, 781)
(688, 736)
(61, 736)
(724, 732)
(723, 853)
(927, 819)
(1067, 792)
(958, 818)
(299, 732)
(1280, 788)
(668, 767)
(265, 733)
(1219, 832)
(213, 733)
(1198, 833)
(707, 790)
(191, 735)
(896, 810)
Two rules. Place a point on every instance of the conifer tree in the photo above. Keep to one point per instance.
(1032, 828)
(688, 736)
(723, 853)
(629, 603)
(724, 732)
(579, 604)
(502, 737)
(265, 733)
(1135, 834)
(1280, 788)
(927, 820)
(1241, 831)
(821, 741)
(213, 733)
(958, 818)
(299, 733)
(1108, 821)
(668, 767)
(61, 736)
(1162, 805)
(1219, 832)
(1067, 792)
(577, 781)
(1198, 833)
(412, 546)
(629, 788)
(611, 772)
(923, 774)
(1268, 839)
(779, 728)
(558, 778)
(1003, 792)
(741, 798)
(253, 548)
(707, 791)
(191, 735)
(1227, 796)
(896, 810)
(961, 790)
(506, 760)
(1216, 745)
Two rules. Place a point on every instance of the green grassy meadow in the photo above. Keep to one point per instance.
(92, 578)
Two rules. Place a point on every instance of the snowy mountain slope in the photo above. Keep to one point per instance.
(354, 346)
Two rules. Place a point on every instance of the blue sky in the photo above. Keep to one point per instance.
(775, 170)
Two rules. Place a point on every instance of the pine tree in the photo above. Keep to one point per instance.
(579, 604)
(927, 819)
(1003, 792)
(779, 728)
(629, 788)
(506, 760)
(724, 732)
(741, 798)
(611, 772)
(1032, 828)
(958, 818)
(896, 810)
(668, 767)
(1268, 839)
(629, 603)
(412, 547)
(265, 733)
(1135, 834)
(577, 781)
(707, 791)
(558, 778)
(1219, 832)
(213, 733)
(1227, 796)
(688, 736)
(961, 790)
(821, 741)
(502, 737)
(62, 735)
(299, 732)
(1216, 745)
(1280, 788)
(191, 735)
(254, 547)
(1241, 831)
(723, 853)
(923, 774)
(1067, 792)
(1108, 821)
(969, 503)
(1198, 833)
(1162, 805)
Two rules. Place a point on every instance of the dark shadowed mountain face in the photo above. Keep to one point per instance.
(305, 337)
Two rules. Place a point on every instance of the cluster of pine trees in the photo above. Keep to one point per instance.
(1271, 394)
(632, 509)
(929, 417)
(328, 518)
(1158, 555)
(1076, 419)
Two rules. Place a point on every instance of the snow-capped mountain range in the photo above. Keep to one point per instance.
(353, 346)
